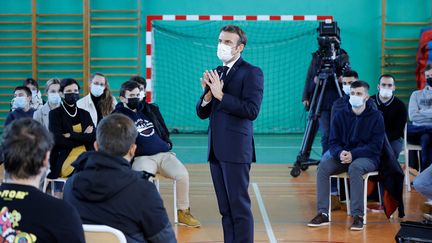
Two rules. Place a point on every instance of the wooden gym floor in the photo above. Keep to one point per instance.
(282, 206)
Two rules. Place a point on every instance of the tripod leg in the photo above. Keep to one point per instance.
(311, 129)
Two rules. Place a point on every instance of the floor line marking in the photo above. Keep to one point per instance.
(270, 234)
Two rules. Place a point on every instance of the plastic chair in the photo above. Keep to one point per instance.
(53, 181)
(345, 176)
(102, 233)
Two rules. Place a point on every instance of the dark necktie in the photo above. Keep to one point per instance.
(224, 72)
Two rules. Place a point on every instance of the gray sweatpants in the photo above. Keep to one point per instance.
(356, 170)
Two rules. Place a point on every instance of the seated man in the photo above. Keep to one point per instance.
(105, 189)
(420, 114)
(153, 145)
(393, 110)
(348, 78)
(21, 104)
(423, 184)
(27, 214)
(356, 139)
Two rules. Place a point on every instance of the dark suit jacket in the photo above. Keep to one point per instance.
(230, 128)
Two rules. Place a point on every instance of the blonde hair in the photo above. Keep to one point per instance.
(50, 82)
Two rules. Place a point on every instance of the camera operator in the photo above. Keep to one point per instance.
(328, 58)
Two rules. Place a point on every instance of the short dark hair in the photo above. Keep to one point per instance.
(31, 81)
(359, 83)
(115, 134)
(129, 86)
(25, 88)
(66, 82)
(386, 76)
(428, 67)
(350, 73)
(25, 144)
(139, 80)
(236, 30)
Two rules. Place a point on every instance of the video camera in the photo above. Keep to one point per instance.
(329, 40)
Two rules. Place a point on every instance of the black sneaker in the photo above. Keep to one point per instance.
(319, 220)
(358, 223)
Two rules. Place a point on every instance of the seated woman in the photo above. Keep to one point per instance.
(52, 89)
(73, 130)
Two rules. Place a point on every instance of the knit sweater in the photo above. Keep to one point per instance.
(395, 116)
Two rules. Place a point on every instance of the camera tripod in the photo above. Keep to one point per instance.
(303, 161)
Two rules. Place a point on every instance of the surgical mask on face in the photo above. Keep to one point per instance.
(54, 98)
(142, 95)
(356, 101)
(224, 52)
(346, 89)
(96, 90)
(35, 94)
(44, 175)
(429, 82)
(386, 93)
(20, 102)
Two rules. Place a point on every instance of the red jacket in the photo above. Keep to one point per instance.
(422, 56)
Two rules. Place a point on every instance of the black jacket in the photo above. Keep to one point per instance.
(105, 190)
(60, 123)
(330, 94)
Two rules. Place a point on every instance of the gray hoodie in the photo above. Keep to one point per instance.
(420, 107)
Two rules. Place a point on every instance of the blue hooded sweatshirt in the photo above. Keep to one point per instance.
(362, 135)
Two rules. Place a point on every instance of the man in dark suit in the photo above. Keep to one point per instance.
(232, 100)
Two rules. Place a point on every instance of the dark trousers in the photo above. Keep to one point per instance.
(324, 126)
(421, 135)
(231, 181)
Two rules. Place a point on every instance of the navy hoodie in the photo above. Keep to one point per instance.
(149, 141)
(105, 190)
(362, 135)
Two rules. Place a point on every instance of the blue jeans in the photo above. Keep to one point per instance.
(422, 135)
(356, 170)
(423, 183)
(397, 146)
(324, 125)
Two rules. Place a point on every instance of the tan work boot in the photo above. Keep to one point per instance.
(335, 203)
(187, 219)
(426, 207)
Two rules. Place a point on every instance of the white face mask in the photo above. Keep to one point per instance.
(54, 98)
(224, 52)
(20, 102)
(35, 94)
(97, 90)
(386, 93)
(356, 101)
(346, 89)
(142, 95)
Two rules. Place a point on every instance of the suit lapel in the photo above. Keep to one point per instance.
(231, 72)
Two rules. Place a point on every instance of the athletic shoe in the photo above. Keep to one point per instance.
(320, 220)
(358, 223)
